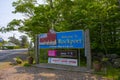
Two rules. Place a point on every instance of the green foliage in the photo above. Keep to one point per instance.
(43, 56)
(26, 65)
(1, 44)
(16, 47)
(113, 73)
(18, 60)
(9, 47)
(12, 25)
(24, 41)
(118, 78)
(14, 40)
(100, 16)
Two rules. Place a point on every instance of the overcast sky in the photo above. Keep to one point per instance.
(6, 16)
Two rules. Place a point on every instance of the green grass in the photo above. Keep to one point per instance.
(83, 63)
(43, 61)
(111, 73)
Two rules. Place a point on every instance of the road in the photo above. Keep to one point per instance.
(6, 55)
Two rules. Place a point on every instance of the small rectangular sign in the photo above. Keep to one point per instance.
(64, 61)
(63, 53)
(52, 53)
(1, 40)
(67, 53)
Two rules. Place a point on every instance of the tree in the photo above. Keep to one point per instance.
(100, 16)
(24, 41)
(14, 40)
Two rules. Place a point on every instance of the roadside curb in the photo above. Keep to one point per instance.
(64, 68)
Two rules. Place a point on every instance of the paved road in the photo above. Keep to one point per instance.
(10, 54)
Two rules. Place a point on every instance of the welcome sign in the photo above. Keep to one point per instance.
(70, 39)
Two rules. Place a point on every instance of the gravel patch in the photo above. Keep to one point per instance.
(33, 73)
(8, 72)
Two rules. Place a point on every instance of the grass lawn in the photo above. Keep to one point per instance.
(111, 73)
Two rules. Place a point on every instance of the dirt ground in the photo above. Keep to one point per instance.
(9, 72)
(19, 72)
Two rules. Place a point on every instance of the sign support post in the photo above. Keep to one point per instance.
(87, 48)
(78, 57)
(36, 50)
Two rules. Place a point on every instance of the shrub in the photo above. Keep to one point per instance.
(16, 47)
(18, 60)
(26, 65)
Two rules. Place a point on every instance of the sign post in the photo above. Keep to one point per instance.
(87, 48)
(36, 50)
(78, 57)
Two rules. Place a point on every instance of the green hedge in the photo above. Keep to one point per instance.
(8, 47)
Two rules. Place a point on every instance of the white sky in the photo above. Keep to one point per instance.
(6, 16)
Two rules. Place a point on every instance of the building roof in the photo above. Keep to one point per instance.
(9, 44)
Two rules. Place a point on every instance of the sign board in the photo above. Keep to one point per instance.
(52, 53)
(63, 53)
(47, 39)
(67, 53)
(70, 39)
(64, 61)
(1, 39)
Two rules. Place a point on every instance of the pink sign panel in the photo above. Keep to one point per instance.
(52, 53)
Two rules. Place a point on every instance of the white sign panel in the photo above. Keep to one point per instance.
(64, 61)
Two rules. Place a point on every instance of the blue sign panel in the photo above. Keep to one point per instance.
(70, 39)
(1, 39)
